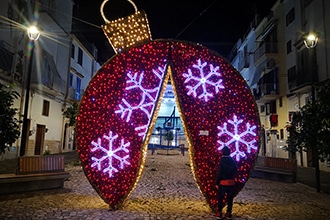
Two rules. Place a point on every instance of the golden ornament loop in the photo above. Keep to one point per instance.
(102, 9)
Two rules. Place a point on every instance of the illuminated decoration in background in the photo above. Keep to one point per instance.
(126, 32)
(203, 81)
(147, 101)
(124, 98)
(110, 155)
(239, 138)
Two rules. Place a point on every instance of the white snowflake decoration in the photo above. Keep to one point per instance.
(147, 101)
(110, 153)
(203, 80)
(238, 138)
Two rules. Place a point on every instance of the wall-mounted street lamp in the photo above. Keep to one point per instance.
(310, 40)
(33, 34)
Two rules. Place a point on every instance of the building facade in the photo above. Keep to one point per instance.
(306, 66)
(83, 66)
(281, 70)
(61, 70)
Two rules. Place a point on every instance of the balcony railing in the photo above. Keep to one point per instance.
(243, 61)
(266, 47)
(267, 85)
(298, 79)
(52, 82)
(266, 89)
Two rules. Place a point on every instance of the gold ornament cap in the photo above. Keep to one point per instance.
(126, 32)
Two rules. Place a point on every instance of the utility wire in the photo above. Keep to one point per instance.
(195, 19)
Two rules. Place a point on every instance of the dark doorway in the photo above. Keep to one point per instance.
(40, 137)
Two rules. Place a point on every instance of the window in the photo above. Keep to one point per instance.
(292, 77)
(292, 73)
(290, 116)
(80, 56)
(289, 17)
(288, 47)
(47, 78)
(281, 134)
(306, 67)
(271, 108)
(45, 108)
(78, 88)
(262, 108)
(73, 48)
(6, 60)
(71, 80)
(280, 102)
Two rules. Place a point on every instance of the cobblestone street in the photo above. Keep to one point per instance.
(166, 190)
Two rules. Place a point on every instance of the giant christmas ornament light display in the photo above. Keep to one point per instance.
(120, 106)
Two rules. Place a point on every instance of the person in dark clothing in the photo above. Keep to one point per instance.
(225, 182)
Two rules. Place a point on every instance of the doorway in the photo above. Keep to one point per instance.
(40, 138)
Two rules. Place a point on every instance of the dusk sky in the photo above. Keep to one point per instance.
(217, 24)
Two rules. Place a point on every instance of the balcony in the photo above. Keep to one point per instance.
(266, 50)
(51, 84)
(299, 79)
(267, 87)
(266, 92)
(45, 76)
(243, 61)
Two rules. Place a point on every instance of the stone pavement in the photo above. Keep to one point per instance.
(166, 191)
